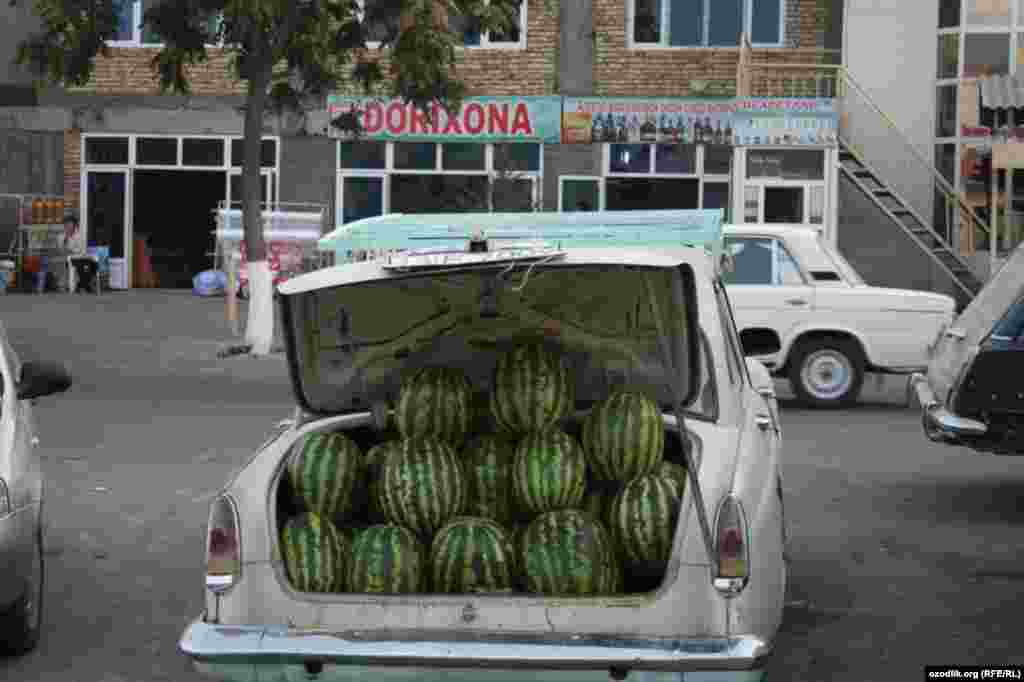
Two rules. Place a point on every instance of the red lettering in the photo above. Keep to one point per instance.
(477, 111)
(521, 122)
(417, 121)
(435, 117)
(453, 125)
(498, 119)
(373, 118)
(396, 109)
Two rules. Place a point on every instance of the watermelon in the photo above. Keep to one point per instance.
(643, 518)
(324, 468)
(624, 437)
(373, 467)
(387, 559)
(676, 472)
(435, 402)
(488, 463)
(316, 554)
(549, 471)
(566, 552)
(597, 502)
(422, 486)
(472, 555)
(532, 389)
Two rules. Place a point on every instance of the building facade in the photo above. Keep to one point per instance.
(655, 85)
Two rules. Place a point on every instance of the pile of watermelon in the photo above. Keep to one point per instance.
(496, 496)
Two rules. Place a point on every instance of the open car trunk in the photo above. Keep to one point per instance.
(627, 325)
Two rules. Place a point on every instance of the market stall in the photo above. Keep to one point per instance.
(33, 243)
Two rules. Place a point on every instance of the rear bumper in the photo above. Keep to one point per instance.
(257, 653)
(941, 425)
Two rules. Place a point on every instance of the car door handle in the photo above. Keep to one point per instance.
(763, 421)
(35, 441)
(796, 301)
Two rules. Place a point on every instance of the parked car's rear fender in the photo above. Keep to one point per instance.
(808, 332)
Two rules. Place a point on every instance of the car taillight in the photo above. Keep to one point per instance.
(733, 566)
(223, 546)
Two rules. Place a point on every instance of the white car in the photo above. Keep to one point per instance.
(832, 326)
(651, 316)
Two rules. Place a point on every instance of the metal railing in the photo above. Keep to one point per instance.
(872, 133)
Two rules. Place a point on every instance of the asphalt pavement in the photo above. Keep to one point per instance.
(903, 553)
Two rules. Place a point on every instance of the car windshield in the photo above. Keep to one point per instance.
(615, 325)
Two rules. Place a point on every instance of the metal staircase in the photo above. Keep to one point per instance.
(906, 217)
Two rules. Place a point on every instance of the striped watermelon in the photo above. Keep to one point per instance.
(532, 389)
(597, 502)
(643, 518)
(676, 472)
(567, 552)
(488, 463)
(373, 467)
(387, 559)
(549, 471)
(624, 437)
(324, 468)
(422, 485)
(472, 555)
(435, 402)
(316, 554)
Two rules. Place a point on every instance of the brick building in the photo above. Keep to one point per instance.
(137, 163)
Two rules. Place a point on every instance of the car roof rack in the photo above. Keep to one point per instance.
(538, 232)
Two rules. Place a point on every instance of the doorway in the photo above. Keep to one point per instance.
(178, 235)
(784, 205)
(628, 194)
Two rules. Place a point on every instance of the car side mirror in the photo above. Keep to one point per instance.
(40, 379)
(759, 342)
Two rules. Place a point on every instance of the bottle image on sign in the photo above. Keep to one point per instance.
(596, 129)
(634, 128)
(648, 130)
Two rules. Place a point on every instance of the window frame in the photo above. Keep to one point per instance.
(485, 36)
(663, 39)
(777, 245)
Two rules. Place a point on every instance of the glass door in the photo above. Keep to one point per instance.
(362, 196)
(106, 212)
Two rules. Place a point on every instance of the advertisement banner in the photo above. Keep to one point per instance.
(481, 119)
(745, 121)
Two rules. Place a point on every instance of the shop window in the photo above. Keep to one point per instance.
(235, 189)
(949, 13)
(415, 155)
(517, 156)
(786, 164)
(129, 30)
(268, 153)
(716, 195)
(156, 151)
(197, 151)
(706, 23)
(438, 193)
(675, 158)
(717, 159)
(512, 194)
(986, 54)
(949, 56)
(362, 155)
(988, 13)
(627, 194)
(362, 198)
(580, 194)
(463, 156)
(630, 158)
(106, 150)
(945, 111)
(784, 205)
(472, 36)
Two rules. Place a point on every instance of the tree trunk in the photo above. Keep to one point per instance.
(259, 329)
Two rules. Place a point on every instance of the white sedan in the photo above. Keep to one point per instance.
(832, 327)
(650, 316)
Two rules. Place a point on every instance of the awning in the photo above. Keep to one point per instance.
(1001, 92)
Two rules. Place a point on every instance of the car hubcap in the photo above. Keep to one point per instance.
(827, 374)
